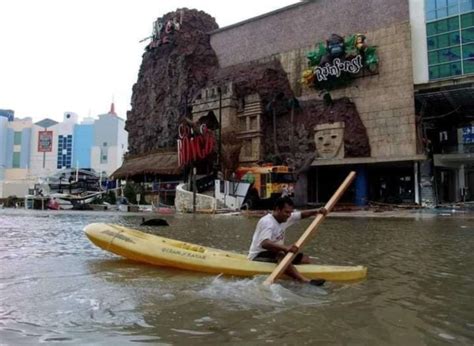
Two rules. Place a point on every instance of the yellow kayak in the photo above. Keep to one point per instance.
(160, 251)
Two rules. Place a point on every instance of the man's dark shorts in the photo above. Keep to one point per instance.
(271, 257)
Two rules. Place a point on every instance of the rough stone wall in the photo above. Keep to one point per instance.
(247, 90)
(268, 84)
(169, 76)
(266, 78)
(302, 25)
(296, 141)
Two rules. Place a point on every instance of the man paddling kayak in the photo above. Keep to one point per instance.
(268, 239)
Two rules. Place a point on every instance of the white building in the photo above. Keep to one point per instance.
(110, 142)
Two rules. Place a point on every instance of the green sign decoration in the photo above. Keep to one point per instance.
(334, 63)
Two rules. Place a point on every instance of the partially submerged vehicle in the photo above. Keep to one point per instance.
(267, 183)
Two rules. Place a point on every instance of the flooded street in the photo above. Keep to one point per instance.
(56, 286)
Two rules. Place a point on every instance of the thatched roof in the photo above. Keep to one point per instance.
(161, 163)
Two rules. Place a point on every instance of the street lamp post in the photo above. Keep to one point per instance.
(219, 140)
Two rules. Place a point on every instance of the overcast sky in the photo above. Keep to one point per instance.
(64, 55)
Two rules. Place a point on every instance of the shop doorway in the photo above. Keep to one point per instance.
(469, 190)
(387, 183)
(446, 182)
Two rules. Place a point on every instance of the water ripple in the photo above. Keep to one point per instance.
(57, 287)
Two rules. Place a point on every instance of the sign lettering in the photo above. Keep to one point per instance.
(194, 146)
(352, 66)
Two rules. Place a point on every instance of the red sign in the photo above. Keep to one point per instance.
(45, 141)
(194, 146)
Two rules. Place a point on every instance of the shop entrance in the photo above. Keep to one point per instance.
(387, 183)
(446, 182)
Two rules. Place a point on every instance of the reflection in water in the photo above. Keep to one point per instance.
(56, 287)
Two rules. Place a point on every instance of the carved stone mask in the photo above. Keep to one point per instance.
(329, 140)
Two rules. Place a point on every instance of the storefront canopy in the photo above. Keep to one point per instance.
(446, 102)
(165, 163)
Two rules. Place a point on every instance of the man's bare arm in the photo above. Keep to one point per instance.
(313, 212)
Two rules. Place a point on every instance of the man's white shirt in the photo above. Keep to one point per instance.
(269, 228)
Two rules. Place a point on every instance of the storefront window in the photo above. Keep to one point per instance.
(450, 37)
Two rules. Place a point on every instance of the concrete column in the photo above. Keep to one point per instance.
(301, 190)
(428, 195)
(361, 186)
(416, 182)
(462, 182)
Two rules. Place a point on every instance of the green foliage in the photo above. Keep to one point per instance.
(371, 58)
(131, 190)
(316, 55)
(350, 44)
(11, 201)
(109, 197)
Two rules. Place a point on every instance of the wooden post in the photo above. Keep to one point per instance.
(311, 230)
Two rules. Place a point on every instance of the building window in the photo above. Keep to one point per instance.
(17, 138)
(450, 37)
(16, 160)
(64, 151)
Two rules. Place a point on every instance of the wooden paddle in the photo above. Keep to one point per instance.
(311, 230)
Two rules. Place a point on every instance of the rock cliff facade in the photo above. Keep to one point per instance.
(170, 74)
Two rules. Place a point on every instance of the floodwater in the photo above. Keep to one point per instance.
(58, 288)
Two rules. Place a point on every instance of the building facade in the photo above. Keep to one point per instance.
(110, 143)
(15, 140)
(383, 88)
(444, 93)
(29, 151)
(388, 171)
(44, 146)
(83, 143)
(414, 108)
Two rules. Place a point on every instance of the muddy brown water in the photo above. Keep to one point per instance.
(57, 287)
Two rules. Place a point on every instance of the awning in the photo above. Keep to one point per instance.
(163, 163)
(367, 160)
(447, 102)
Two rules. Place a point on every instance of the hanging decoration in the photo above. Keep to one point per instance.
(336, 62)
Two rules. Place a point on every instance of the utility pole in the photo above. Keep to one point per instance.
(194, 188)
(275, 146)
(219, 138)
